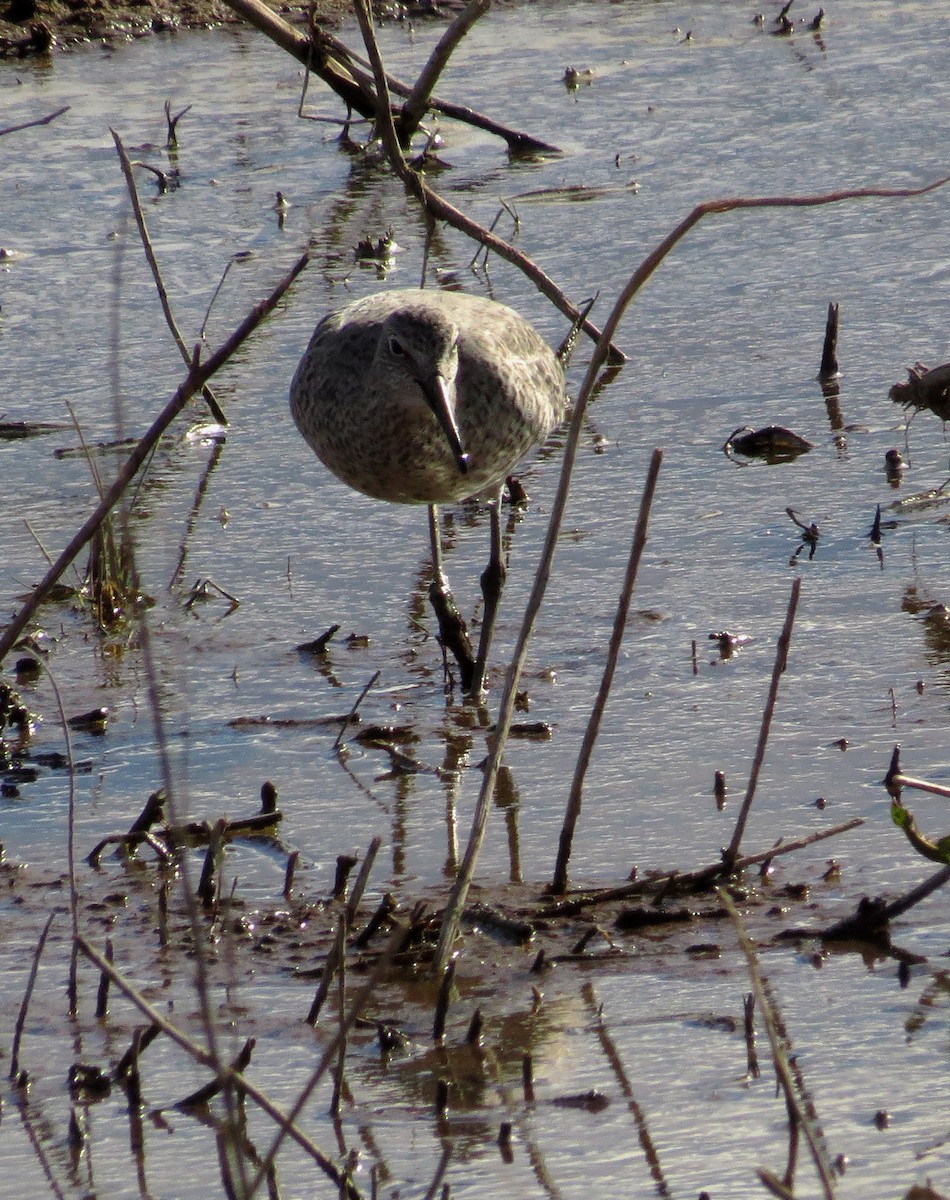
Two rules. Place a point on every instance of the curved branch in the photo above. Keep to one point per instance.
(457, 898)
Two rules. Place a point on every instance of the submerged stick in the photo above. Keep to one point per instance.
(872, 917)
(209, 1090)
(362, 878)
(691, 881)
(331, 963)
(27, 996)
(356, 703)
(39, 121)
(73, 984)
(781, 659)
(102, 995)
(559, 882)
(198, 374)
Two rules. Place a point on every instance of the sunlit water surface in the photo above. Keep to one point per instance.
(728, 333)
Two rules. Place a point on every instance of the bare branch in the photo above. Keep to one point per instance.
(40, 121)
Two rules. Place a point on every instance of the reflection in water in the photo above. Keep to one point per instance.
(934, 616)
(508, 800)
(612, 1054)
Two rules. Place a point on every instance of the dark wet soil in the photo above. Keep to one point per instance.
(37, 27)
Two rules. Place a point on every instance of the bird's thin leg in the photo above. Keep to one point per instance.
(493, 581)
(452, 631)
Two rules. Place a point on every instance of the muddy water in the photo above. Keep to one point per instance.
(727, 333)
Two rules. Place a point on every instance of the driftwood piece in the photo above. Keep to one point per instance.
(339, 68)
(169, 838)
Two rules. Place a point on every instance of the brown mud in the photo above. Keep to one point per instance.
(37, 27)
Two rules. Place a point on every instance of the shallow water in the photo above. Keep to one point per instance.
(727, 333)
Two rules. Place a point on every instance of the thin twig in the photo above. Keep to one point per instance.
(612, 1054)
(73, 985)
(559, 883)
(352, 713)
(336, 65)
(392, 948)
(27, 996)
(216, 410)
(781, 659)
(899, 780)
(39, 121)
(362, 878)
(198, 374)
(441, 1168)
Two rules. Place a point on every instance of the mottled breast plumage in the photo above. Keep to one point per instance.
(360, 393)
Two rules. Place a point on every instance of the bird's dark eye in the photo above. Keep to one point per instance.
(395, 348)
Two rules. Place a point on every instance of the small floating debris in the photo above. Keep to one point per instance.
(894, 465)
(729, 643)
(379, 251)
(810, 532)
(592, 1101)
(539, 731)
(94, 721)
(774, 443)
(574, 77)
(202, 589)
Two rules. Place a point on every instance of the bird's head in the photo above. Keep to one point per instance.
(419, 350)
